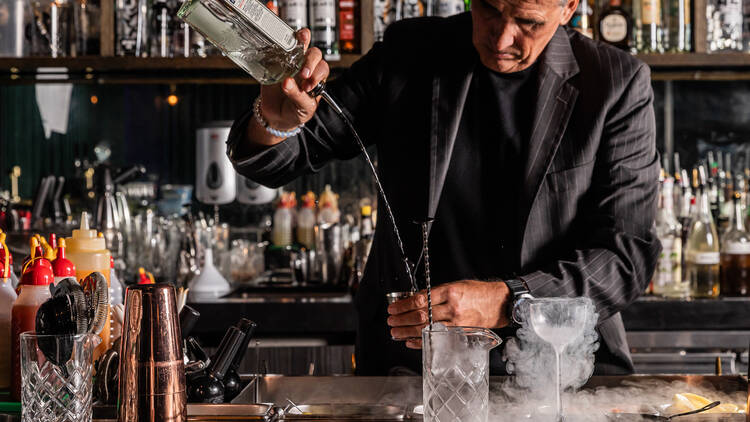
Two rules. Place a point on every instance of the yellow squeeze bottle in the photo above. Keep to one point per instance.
(89, 254)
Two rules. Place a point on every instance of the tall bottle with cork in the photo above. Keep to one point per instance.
(7, 298)
(33, 291)
(89, 254)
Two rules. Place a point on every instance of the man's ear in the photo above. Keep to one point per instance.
(568, 9)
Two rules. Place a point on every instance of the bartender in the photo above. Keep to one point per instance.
(530, 145)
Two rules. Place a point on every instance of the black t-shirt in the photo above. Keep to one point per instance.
(476, 231)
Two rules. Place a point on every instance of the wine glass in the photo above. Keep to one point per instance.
(558, 321)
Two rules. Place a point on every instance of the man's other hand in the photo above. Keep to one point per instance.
(467, 303)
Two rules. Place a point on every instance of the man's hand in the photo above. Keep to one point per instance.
(462, 303)
(287, 105)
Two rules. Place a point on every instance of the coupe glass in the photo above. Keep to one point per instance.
(559, 322)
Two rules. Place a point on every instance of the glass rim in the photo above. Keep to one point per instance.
(538, 300)
(34, 335)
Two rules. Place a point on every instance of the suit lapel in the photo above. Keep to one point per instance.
(555, 99)
(449, 92)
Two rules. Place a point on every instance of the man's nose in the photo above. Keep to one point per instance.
(504, 34)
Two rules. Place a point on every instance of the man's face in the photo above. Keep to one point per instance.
(510, 34)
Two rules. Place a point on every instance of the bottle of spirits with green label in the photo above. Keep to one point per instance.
(702, 255)
(250, 34)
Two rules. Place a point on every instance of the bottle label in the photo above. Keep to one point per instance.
(266, 22)
(294, 13)
(449, 7)
(614, 29)
(737, 248)
(346, 20)
(651, 10)
(669, 268)
(705, 258)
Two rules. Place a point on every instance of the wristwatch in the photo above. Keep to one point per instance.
(519, 294)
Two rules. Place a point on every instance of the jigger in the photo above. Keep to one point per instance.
(152, 371)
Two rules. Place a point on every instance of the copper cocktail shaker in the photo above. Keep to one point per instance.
(152, 371)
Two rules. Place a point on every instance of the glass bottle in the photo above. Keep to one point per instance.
(349, 26)
(582, 19)
(324, 30)
(724, 25)
(702, 255)
(615, 25)
(649, 26)
(161, 29)
(250, 34)
(132, 28)
(735, 254)
(448, 7)
(294, 13)
(668, 279)
(679, 26)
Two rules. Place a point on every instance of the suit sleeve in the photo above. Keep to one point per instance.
(325, 137)
(614, 262)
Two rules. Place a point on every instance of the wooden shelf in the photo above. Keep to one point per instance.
(219, 69)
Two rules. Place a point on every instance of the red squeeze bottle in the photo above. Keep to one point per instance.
(33, 291)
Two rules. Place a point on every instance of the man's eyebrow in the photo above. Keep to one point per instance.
(530, 20)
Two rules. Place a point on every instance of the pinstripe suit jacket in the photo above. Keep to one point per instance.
(589, 196)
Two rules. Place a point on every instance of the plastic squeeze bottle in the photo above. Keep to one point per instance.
(89, 254)
(62, 267)
(7, 297)
(306, 221)
(33, 291)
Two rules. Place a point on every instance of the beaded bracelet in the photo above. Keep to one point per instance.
(275, 132)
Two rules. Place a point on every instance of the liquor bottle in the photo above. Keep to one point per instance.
(252, 36)
(668, 279)
(724, 25)
(294, 13)
(273, 5)
(649, 26)
(683, 215)
(324, 33)
(582, 19)
(161, 29)
(447, 8)
(702, 255)
(735, 254)
(615, 25)
(132, 28)
(349, 26)
(679, 26)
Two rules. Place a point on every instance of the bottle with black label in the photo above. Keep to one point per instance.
(615, 25)
(324, 32)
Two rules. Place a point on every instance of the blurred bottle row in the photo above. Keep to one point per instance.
(150, 28)
(702, 226)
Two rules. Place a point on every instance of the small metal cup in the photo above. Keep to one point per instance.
(394, 297)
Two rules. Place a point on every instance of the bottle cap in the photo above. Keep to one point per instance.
(308, 200)
(61, 266)
(38, 273)
(367, 210)
(53, 241)
(6, 259)
(111, 262)
(144, 277)
(85, 238)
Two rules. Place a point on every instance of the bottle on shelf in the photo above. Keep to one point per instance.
(582, 20)
(273, 5)
(306, 221)
(324, 28)
(724, 25)
(33, 291)
(161, 29)
(702, 255)
(735, 255)
(349, 26)
(668, 280)
(616, 25)
(649, 26)
(281, 233)
(294, 13)
(679, 26)
(447, 8)
(132, 28)
(329, 207)
(7, 298)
